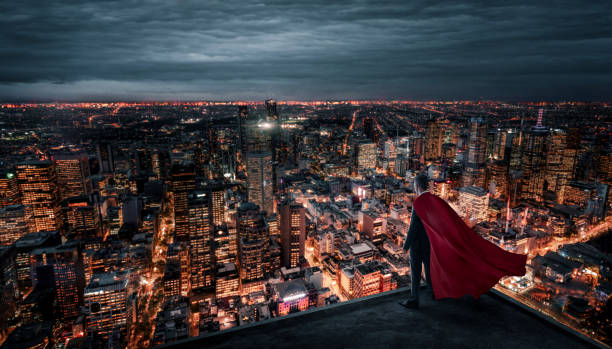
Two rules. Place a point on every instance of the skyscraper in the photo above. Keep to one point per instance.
(243, 116)
(475, 166)
(182, 183)
(253, 235)
(38, 185)
(72, 174)
(366, 155)
(200, 240)
(14, 223)
(293, 232)
(105, 299)
(9, 189)
(105, 157)
(534, 162)
(433, 140)
(216, 192)
(259, 180)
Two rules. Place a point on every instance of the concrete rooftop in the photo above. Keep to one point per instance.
(379, 322)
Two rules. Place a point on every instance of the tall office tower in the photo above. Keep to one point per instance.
(160, 162)
(8, 287)
(14, 223)
(105, 157)
(200, 241)
(369, 129)
(201, 161)
(9, 189)
(477, 146)
(503, 144)
(24, 246)
(254, 240)
(243, 116)
(38, 185)
(498, 179)
(105, 299)
(560, 163)
(365, 155)
(275, 145)
(516, 150)
(179, 253)
(223, 245)
(182, 183)
(433, 140)
(259, 180)
(72, 174)
(216, 193)
(534, 162)
(61, 267)
(293, 232)
(81, 217)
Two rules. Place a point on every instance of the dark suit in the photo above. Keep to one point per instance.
(418, 244)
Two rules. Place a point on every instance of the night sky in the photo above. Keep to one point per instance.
(217, 50)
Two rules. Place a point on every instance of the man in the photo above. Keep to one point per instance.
(457, 260)
(418, 244)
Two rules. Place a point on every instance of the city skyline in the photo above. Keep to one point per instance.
(112, 51)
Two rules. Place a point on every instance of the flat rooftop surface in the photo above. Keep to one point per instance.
(380, 322)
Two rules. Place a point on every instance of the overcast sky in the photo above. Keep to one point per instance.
(201, 50)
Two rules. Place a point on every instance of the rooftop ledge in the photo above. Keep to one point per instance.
(377, 321)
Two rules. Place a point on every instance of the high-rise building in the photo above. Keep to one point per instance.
(72, 174)
(200, 241)
(81, 217)
(24, 247)
(259, 180)
(105, 157)
(560, 163)
(61, 267)
(475, 165)
(38, 185)
(178, 254)
(474, 202)
(372, 278)
(9, 189)
(365, 155)
(182, 183)
(216, 194)
(293, 232)
(254, 240)
(498, 179)
(105, 299)
(227, 281)
(243, 116)
(14, 223)
(433, 140)
(224, 245)
(534, 162)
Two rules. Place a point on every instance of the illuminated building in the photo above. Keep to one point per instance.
(366, 155)
(216, 192)
(259, 180)
(173, 322)
(8, 286)
(61, 267)
(72, 174)
(372, 278)
(371, 223)
(105, 299)
(178, 254)
(81, 216)
(38, 185)
(475, 165)
(498, 178)
(24, 247)
(115, 219)
(324, 244)
(9, 189)
(253, 235)
(182, 183)
(534, 162)
(433, 141)
(560, 163)
(227, 281)
(293, 232)
(200, 240)
(14, 223)
(243, 116)
(224, 245)
(172, 279)
(290, 296)
(474, 202)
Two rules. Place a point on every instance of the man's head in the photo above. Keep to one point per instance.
(421, 183)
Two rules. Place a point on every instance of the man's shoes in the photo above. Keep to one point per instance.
(410, 303)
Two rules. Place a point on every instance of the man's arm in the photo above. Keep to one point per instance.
(415, 224)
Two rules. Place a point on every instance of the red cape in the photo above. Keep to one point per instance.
(461, 261)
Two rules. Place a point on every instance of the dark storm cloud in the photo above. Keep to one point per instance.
(76, 50)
